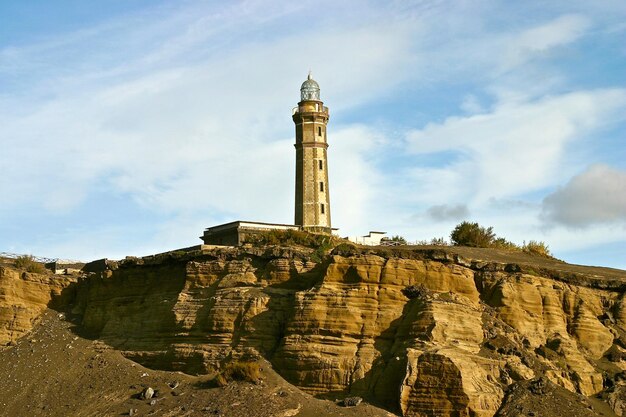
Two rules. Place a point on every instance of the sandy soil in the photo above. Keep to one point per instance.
(55, 372)
(541, 398)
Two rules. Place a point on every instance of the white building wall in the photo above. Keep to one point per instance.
(371, 239)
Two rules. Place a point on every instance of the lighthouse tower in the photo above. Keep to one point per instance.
(312, 197)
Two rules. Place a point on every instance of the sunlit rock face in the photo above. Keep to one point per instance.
(345, 325)
(24, 296)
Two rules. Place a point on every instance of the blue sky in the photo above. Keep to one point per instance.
(127, 127)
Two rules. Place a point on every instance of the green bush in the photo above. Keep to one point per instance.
(537, 248)
(502, 243)
(28, 263)
(399, 239)
(472, 234)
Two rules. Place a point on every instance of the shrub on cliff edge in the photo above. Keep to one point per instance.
(472, 234)
(537, 248)
(475, 235)
(28, 263)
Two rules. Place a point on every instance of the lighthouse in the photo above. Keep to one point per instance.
(312, 202)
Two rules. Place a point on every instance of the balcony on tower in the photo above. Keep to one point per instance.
(310, 107)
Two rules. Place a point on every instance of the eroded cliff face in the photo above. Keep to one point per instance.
(24, 296)
(469, 329)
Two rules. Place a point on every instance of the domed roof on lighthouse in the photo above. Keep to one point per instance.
(310, 89)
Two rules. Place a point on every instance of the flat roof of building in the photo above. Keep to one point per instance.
(244, 223)
(262, 225)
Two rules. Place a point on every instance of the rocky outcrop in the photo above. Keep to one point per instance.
(450, 382)
(346, 326)
(557, 317)
(24, 296)
(617, 399)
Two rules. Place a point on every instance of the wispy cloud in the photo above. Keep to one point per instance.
(518, 147)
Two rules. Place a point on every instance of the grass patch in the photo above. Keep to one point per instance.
(248, 371)
(321, 243)
(345, 249)
(289, 238)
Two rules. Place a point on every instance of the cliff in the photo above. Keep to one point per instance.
(25, 296)
(420, 332)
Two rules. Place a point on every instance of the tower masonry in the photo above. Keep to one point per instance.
(312, 210)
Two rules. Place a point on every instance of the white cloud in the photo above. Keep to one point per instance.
(598, 195)
(164, 134)
(561, 31)
(471, 105)
(496, 159)
(518, 147)
(463, 46)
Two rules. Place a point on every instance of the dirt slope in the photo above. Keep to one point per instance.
(55, 372)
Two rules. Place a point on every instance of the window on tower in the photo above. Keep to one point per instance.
(322, 208)
(321, 186)
(321, 164)
(319, 131)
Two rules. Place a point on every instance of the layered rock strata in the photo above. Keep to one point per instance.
(345, 325)
(24, 296)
